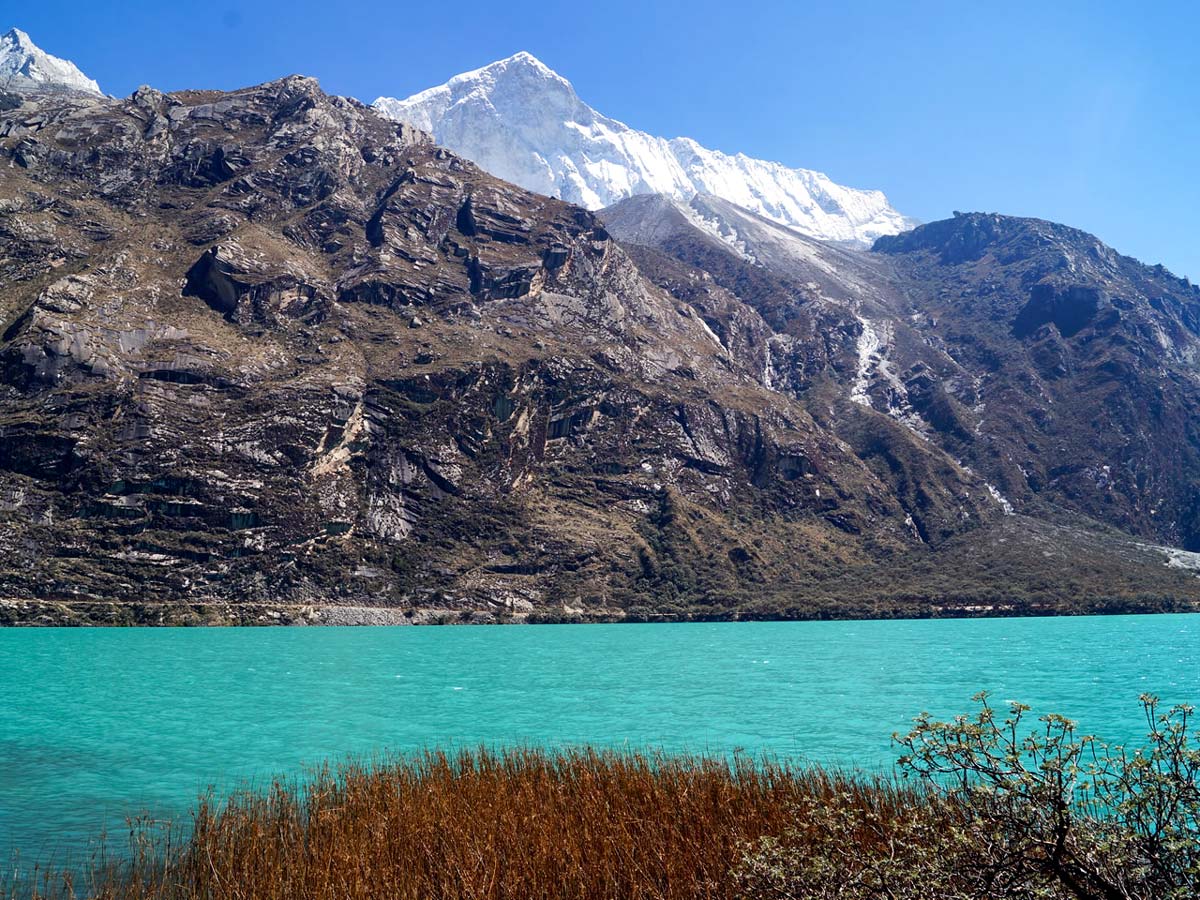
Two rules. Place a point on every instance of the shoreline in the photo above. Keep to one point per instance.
(119, 614)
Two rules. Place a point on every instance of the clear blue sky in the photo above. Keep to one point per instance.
(1085, 113)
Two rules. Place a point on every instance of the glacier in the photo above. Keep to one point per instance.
(523, 122)
(24, 66)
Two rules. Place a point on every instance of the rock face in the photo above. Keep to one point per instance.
(26, 67)
(265, 354)
(523, 122)
(1031, 353)
(1084, 364)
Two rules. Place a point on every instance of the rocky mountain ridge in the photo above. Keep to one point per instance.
(523, 122)
(1028, 351)
(267, 356)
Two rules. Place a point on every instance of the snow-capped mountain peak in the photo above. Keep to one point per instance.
(522, 121)
(24, 66)
(501, 86)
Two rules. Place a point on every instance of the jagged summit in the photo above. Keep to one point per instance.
(503, 85)
(520, 62)
(970, 236)
(975, 231)
(522, 121)
(24, 66)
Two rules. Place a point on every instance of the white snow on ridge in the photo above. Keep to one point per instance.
(719, 228)
(523, 122)
(26, 67)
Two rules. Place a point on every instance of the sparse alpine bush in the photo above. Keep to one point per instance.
(1004, 809)
(1093, 821)
(837, 850)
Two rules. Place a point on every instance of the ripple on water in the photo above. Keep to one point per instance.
(99, 724)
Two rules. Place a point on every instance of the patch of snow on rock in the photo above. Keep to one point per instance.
(1001, 499)
(868, 346)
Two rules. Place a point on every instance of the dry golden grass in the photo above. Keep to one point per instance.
(514, 825)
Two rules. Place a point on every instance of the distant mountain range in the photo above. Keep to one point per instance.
(269, 356)
(524, 123)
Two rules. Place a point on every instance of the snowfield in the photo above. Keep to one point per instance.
(523, 122)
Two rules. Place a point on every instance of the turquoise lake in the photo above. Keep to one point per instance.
(96, 724)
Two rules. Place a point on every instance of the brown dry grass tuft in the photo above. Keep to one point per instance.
(483, 825)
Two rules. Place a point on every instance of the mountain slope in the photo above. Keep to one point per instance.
(1085, 366)
(1062, 372)
(26, 67)
(523, 122)
(267, 356)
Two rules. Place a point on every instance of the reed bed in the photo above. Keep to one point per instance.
(480, 825)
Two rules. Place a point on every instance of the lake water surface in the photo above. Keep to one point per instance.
(96, 724)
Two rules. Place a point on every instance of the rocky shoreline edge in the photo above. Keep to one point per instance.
(101, 613)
